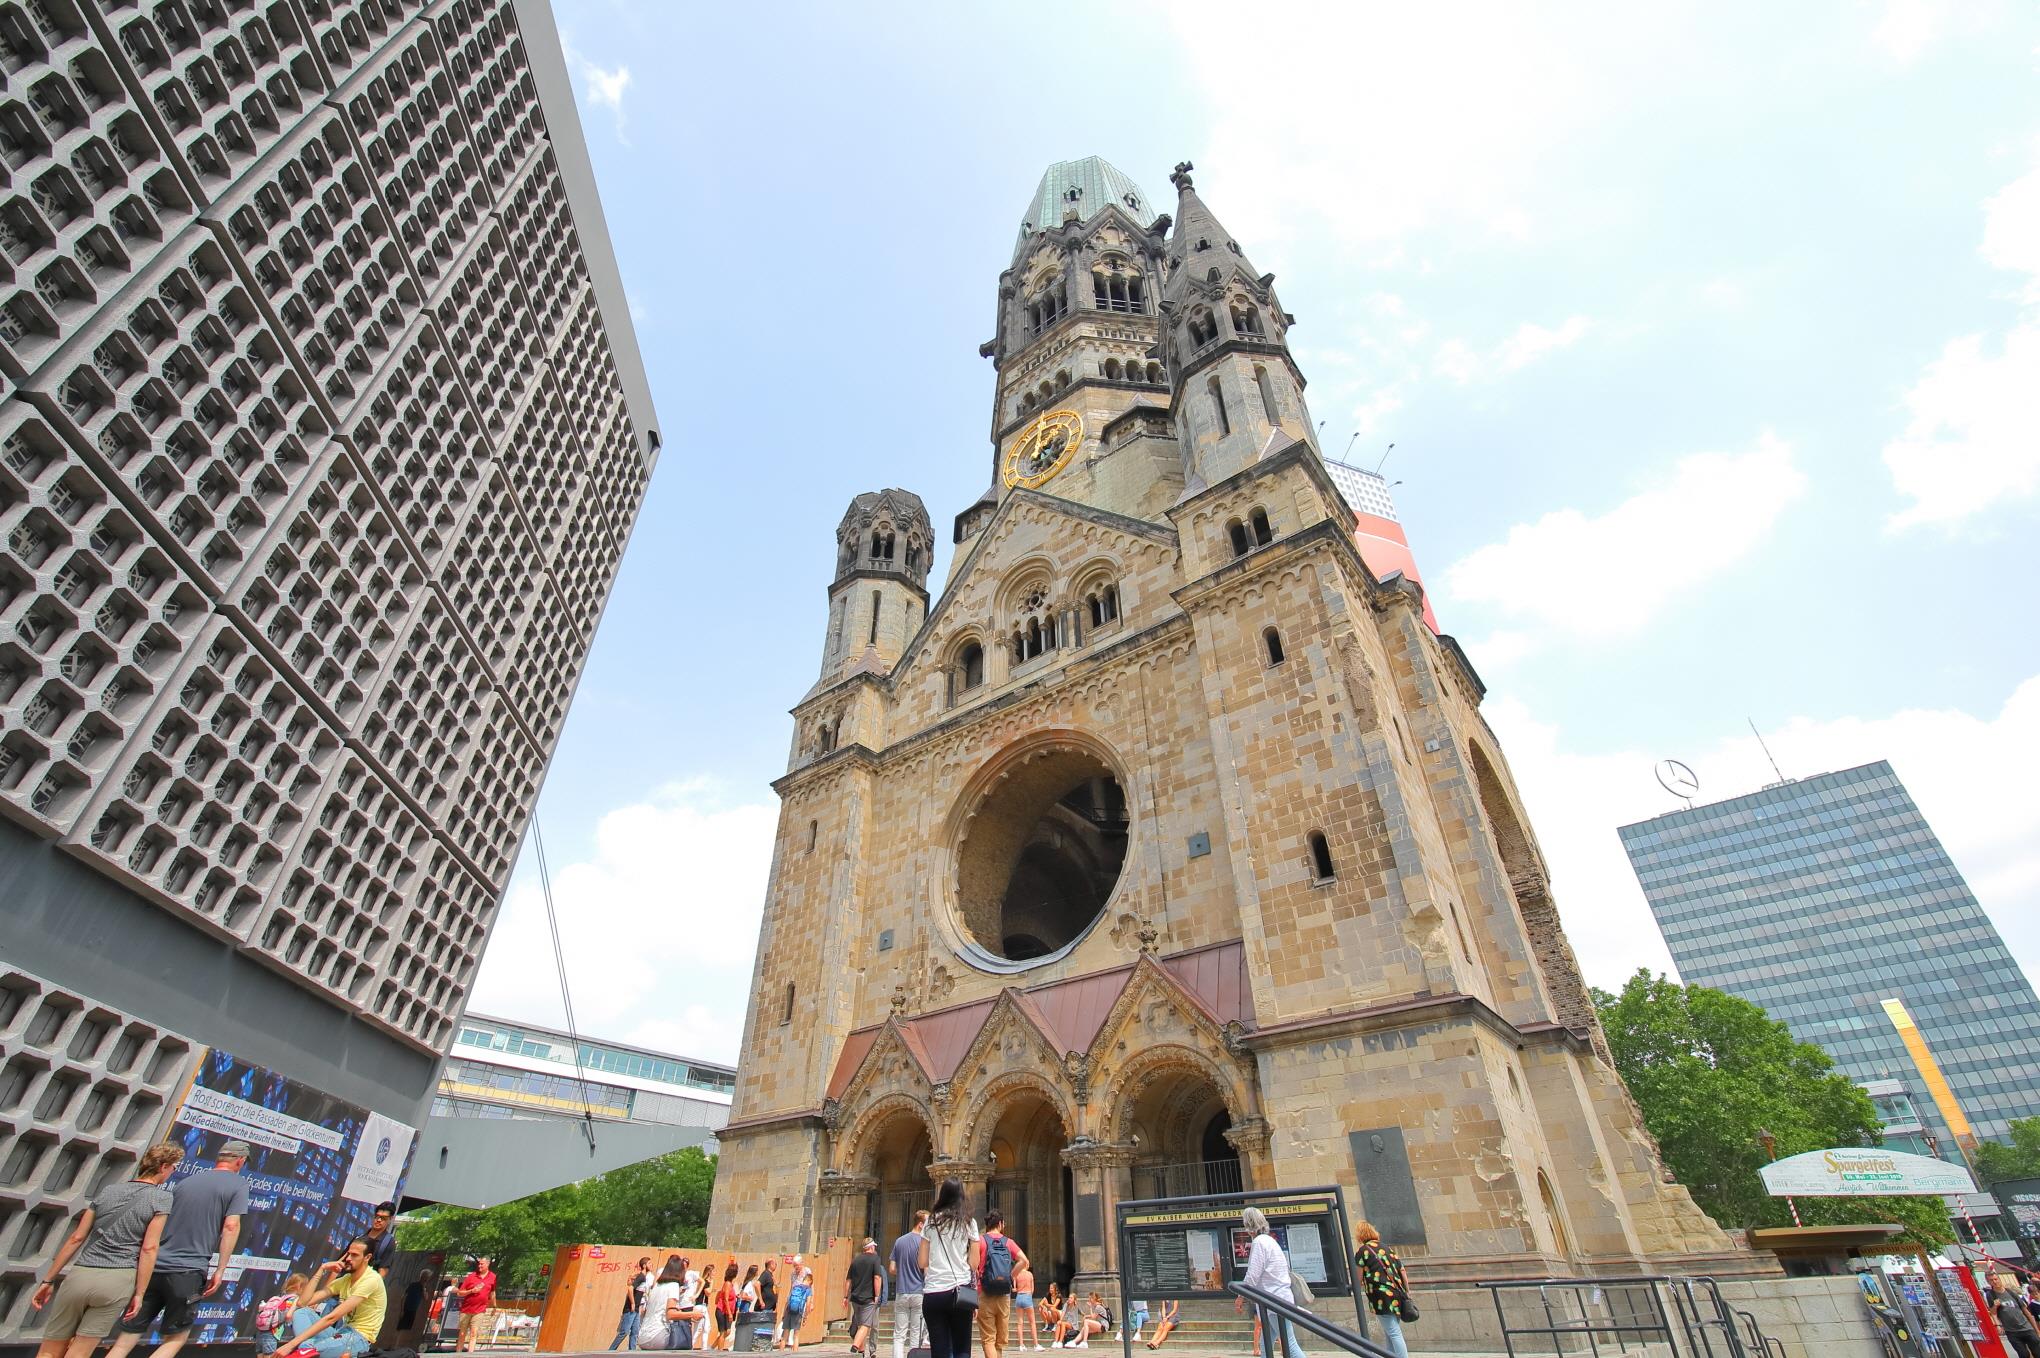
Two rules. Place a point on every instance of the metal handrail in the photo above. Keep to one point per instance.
(1691, 1300)
(1336, 1335)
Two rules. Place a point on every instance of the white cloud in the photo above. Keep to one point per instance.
(1951, 761)
(659, 924)
(1972, 438)
(1908, 27)
(1715, 509)
(1532, 342)
(599, 88)
(1460, 362)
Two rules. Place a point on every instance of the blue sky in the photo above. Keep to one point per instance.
(1708, 338)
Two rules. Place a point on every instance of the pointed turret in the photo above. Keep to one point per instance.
(1198, 229)
(880, 594)
(1237, 393)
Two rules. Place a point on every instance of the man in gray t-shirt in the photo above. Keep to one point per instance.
(205, 1221)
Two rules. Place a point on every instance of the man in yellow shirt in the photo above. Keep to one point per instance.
(340, 1318)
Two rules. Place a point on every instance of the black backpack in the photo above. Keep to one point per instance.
(998, 1275)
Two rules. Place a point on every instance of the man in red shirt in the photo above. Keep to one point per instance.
(476, 1292)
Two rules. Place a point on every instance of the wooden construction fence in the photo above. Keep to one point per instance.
(585, 1300)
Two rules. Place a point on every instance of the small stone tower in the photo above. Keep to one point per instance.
(1236, 392)
(880, 594)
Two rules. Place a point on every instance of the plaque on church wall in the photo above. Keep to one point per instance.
(1388, 1192)
(1090, 1221)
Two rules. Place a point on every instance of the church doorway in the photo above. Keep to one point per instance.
(1031, 1186)
(1178, 1124)
(899, 1161)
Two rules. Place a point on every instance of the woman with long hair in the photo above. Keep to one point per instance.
(660, 1321)
(726, 1308)
(952, 1253)
(1268, 1269)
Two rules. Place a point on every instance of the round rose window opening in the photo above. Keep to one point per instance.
(1041, 854)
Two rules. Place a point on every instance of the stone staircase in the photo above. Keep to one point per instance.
(1203, 1328)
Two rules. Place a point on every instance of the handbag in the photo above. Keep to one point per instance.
(967, 1295)
(1300, 1289)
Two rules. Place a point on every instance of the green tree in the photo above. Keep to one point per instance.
(661, 1201)
(1997, 1162)
(1711, 1071)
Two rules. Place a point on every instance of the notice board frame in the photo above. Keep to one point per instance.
(1220, 1213)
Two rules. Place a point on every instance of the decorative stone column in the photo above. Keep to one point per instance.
(846, 1203)
(974, 1174)
(1101, 1175)
(1250, 1137)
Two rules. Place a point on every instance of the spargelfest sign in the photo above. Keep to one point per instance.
(1863, 1172)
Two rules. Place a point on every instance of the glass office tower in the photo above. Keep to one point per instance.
(1819, 899)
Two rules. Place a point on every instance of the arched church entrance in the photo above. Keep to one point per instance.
(1177, 1124)
(1031, 1185)
(900, 1158)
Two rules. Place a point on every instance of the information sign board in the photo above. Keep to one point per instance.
(1186, 1248)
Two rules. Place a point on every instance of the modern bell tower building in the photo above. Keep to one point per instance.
(1170, 843)
(322, 431)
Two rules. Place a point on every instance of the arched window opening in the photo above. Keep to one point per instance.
(1263, 534)
(1321, 858)
(1112, 369)
(1241, 545)
(1246, 318)
(913, 555)
(1203, 244)
(825, 736)
(1046, 309)
(1267, 390)
(1218, 408)
(1154, 373)
(1118, 292)
(877, 604)
(1550, 1201)
(1272, 639)
(1203, 327)
(970, 663)
(814, 829)
(1062, 380)
(881, 544)
(1103, 603)
(1026, 403)
(1211, 275)
(786, 1014)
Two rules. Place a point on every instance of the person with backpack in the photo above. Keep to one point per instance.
(1387, 1290)
(799, 1291)
(1003, 1259)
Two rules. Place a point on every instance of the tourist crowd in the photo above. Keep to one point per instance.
(948, 1277)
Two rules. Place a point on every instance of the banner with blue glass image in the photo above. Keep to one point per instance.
(319, 1164)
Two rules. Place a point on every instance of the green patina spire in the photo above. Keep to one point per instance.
(1095, 183)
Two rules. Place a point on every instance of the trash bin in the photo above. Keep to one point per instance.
(754, 1335)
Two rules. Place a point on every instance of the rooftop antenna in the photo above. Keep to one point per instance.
(1384, 457)
(1767, 750)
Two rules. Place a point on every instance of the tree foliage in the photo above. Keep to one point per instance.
(662, 1201)
(1997, 1162)
(1711, 1071)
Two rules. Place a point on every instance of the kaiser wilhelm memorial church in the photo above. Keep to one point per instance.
(1166, 850)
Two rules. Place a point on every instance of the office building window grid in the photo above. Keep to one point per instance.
(315, 470)
(1821, 898)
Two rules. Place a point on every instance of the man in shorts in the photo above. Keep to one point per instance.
(863, 1281)
(115, 1244)
(205, 1221)
(477, 1295)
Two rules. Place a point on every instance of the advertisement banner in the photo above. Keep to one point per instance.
(319, 1166)
(1863, 1172)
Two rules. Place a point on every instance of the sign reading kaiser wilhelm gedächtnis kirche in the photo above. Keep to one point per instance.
(1863, 1172)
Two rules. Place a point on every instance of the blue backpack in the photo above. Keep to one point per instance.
(998, 1276)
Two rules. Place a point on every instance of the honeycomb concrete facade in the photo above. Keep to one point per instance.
(322, 432)
(1330, 919)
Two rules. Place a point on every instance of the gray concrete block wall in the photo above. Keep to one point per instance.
(316, 466)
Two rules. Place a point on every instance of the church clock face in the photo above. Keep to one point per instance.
(1044, 448)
